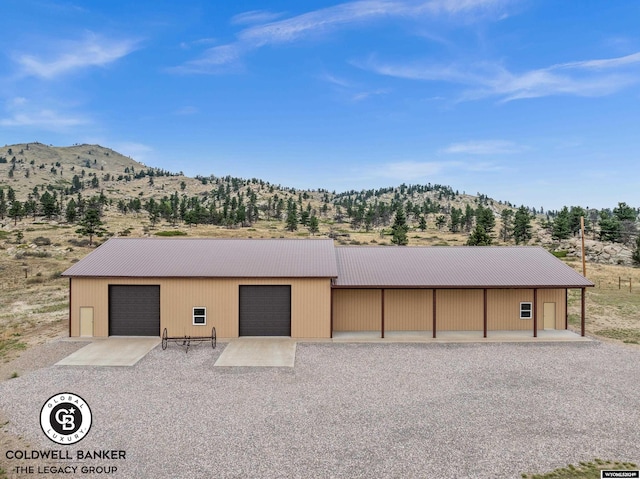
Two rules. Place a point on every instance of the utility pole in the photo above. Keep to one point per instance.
(584, 262)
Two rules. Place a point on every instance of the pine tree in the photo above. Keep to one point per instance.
(71, 213)
(3, 205)
(560, 228)
(456, 218)
(49, 207)
(91, 225)
(479, 237)
(522, 225)
(440, 221)
(313, 225)
(635, 256)
(506, 230)
(400, 228)
(292, 216)
(485, 218)
(15, 212)
(423, 224)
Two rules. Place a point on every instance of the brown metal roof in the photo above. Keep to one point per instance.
(453, 267)
(203, 257)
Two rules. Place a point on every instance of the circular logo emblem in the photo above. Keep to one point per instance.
(65, 418)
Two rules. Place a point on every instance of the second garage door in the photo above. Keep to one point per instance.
(134, 310)
(265, 310)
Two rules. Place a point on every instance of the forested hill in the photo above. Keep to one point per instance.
(40, 183)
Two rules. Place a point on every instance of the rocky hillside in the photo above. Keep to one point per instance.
(57, 185)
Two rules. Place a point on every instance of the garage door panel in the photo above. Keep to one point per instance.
(134, 310)
(265, 310)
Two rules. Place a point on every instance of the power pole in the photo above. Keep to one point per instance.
(584, 262)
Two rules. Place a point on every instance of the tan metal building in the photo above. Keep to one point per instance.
(451, 289)
(309, 288)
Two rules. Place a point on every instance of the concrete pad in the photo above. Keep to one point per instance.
(556, 335)
(112, 351)
(263, 351)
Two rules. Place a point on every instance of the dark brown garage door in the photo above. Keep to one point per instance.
(265, 310)
(134, 310)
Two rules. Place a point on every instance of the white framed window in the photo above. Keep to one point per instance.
(199, 316)
(526, 310)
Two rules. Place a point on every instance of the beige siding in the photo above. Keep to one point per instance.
(503, 308)
(357, 310)
(459, 310)
(408, 309)
(310, 300)
(552, 296)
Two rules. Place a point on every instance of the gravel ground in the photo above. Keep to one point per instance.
(352, 410)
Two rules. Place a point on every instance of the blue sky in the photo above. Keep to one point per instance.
(534, 102)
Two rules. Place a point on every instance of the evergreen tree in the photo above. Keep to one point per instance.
(15, 212)
(48, 203)
(71, 212)
(506, 230)
(440, 221)
(91, 225)
(468, 218)
(522, 225)
(292, 216)
(456, 217)
(610, 227)
(486, 219)
(400, 228)
(635, 256)
(313, 225)
(561, 229)
(3, 205)
(479, 237)
(423, 224)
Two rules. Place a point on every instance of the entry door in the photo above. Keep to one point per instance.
(549, 315)
(86, 322)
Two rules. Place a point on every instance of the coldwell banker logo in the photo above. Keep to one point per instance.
(65, 418)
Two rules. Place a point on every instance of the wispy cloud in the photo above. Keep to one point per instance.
(186, 110)
(323, 21)
(93, 50)
(593, 78)
(425, 170)
(255, 16)
(363, 95)
(484, 147)
(44, 119)
(138, 151)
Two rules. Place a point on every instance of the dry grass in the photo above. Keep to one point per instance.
(611, 313)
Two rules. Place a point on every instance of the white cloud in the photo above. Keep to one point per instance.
(592, 78)
(93, 50)
(187, 110)
(325, 20)
(254, 16)
(45, 119)
(410, 170)
(138, 151)
(363, 95)
(484, 147)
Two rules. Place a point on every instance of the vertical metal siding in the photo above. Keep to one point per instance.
(552, 296)
(310, 304)
(460, 310)
(408, 309)
(503, 309)
(357, 309)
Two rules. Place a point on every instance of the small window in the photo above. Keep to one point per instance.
(525, 310)
(199, 316)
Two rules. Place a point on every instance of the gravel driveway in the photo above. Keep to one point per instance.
(352, 410)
